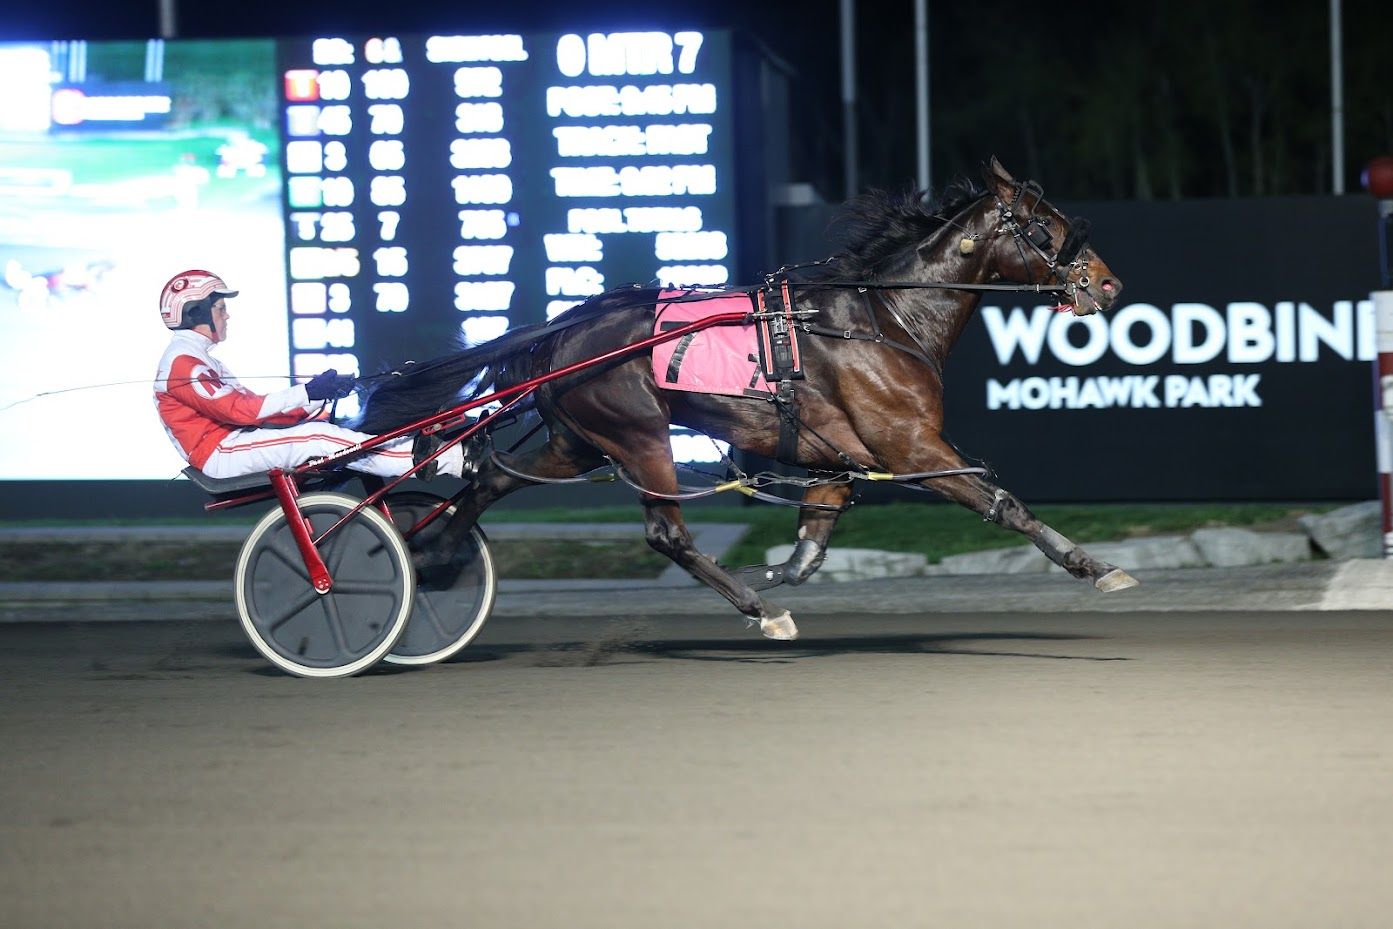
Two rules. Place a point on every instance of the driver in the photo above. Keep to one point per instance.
(225, 430)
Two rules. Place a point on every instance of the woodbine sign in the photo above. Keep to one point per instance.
(1242, 334)
(1238, 365)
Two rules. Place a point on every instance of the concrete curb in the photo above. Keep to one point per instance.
(1362, 584)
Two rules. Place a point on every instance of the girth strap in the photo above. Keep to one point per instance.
(786, 402)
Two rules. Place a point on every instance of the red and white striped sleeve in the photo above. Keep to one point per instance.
(194, 384)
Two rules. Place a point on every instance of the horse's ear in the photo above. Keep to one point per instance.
(999, 180)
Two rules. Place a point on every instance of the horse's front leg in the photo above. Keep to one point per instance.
(1000, 506)
(822, 504)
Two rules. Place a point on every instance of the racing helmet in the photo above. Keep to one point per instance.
(184, 292)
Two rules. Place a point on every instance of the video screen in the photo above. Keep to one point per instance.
(374, 200)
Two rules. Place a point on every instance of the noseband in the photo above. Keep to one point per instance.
(1035, 233)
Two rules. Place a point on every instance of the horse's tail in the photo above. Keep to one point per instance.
(418, 390)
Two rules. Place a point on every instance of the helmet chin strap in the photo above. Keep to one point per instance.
(201, 314)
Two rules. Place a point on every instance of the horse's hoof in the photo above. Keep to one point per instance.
(779, 627)
(1116, 579)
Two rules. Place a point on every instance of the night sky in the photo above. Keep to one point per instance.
(1100, 100)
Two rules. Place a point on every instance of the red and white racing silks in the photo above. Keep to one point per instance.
(212, 420)
(201, 403)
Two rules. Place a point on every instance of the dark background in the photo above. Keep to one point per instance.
(1097, 100)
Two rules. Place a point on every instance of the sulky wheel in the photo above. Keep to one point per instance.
(443, 621)
(350, 628)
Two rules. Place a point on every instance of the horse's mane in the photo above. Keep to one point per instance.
(876, 229)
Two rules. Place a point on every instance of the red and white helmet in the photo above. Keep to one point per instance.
(185, 288)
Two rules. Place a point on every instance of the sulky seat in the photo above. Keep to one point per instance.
(227, 485)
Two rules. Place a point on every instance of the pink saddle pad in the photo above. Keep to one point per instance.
(717, 360)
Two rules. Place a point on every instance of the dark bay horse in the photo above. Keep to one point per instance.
(874, 405)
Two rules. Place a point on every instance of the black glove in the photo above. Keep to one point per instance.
(331, 385)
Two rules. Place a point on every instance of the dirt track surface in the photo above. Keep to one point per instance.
(1084, 770)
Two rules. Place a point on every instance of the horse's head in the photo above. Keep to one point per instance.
(1035, 243)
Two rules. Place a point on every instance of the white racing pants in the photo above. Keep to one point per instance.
(249, 451)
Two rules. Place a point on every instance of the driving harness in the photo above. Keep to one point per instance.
(779, 319)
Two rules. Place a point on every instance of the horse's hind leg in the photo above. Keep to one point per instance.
(1005, 509)
(667, 533)
(564, 455)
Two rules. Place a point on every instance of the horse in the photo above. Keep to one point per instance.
(913, 273)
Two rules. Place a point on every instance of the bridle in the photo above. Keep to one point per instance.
(1035, 234)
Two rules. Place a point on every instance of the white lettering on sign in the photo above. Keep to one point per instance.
(482, 224)
(635, 181)
(337, 227)
(392, 297)
(388, 190)
(387, 155)
(590, 100)
(584, 281)
(386, 84)
(335, 120)
(483, 188)
(690, 246)
(387, 119)
(304, 157)
(482, 259)
(335, 156)
(390, 261)
(452, 49)
(1243, 332)
(479, 82)
(490, 296)
(71, 106)
(635, 219)
(662, 218)
(1152, 391)
(332, 52)
(322, 333)
(618, 141)
(684, 275)
(479, 117)
(480, 153)
(309, 263)
(628, 53)
(335, 85)
(337, 191)
(381, 51)
(387, 222)
(564, 246)
(306, 226)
